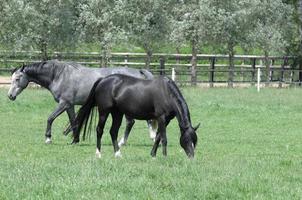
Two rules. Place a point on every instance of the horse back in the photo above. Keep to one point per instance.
(138, 98)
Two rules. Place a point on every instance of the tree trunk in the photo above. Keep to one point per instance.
(267, 67)
(148, 56)
(300, 54)
(104, 58)
(177, 57)
(105, 53)
(231, 53)
(300, 17)
(194, 63)
(44, 47)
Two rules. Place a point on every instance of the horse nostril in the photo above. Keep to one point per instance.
(11, 97)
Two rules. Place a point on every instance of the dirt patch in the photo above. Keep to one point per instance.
(5, 80)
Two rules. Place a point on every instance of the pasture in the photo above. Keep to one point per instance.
(249, 147)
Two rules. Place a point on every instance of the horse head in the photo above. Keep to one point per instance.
(188, 140)
(18, 83)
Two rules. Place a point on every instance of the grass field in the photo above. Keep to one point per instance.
(250, 147)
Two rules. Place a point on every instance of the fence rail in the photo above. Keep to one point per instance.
(210, 68)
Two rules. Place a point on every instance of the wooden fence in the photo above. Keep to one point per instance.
(210, 69)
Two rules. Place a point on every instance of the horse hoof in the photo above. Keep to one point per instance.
(118, 154)
(75, 141)
(98, 154)
(48, 141)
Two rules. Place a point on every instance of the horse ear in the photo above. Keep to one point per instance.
(22, 68)
(12, 70)
(196, 127)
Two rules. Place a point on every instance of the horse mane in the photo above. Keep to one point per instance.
(184, 110)
(53, 67)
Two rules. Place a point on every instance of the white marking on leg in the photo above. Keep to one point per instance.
(48, 140)
(121, 142)
(98, 153)
(118, 154)
(153, 129)
(152, 133)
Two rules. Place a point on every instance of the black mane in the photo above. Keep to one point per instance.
(44, 72)
(180, 101)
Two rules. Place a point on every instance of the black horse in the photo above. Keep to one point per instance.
(158, 99)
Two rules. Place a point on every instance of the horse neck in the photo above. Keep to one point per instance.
(180, 108)
(182, 116)
(40, 77)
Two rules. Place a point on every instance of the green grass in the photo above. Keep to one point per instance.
(249, 148)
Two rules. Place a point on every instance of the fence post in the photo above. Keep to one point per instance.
(300, 71)
(173, 74)
(57, 56)
(253, 71)
(162, 65)
(231, 71)
(292, 72)
(126, 60)
(193, 63)
(212, 71)
(281, 79)
(258, 79)
(272, 70)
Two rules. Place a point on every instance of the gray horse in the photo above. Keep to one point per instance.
(70, 84)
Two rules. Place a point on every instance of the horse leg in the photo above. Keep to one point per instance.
(160, 136)
(152, 125)
(58, 111)
(99, 132)
(71, 115)
(164, 138)
(116, 123)
(129, 124)
(155, 146)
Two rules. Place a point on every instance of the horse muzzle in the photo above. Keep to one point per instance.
(11, 97)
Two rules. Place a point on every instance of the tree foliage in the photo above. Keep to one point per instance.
(97, 22)
(270, 25)
(146, 23)
(38, 24)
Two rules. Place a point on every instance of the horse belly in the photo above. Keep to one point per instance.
(137, 110)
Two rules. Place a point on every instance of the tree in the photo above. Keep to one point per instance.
(46, 26)
(145, 23)
(38, 24)
(12, 24)
(192, 23)
(232, 23)
(98, 22)
(271, 24)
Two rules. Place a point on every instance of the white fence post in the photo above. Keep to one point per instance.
(173, 74)
(258, 79)
(126, 61)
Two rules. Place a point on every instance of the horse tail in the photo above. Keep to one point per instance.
(83, 115)
(147, 74)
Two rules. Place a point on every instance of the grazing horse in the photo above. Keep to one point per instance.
(158, 99)
(69, 83)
